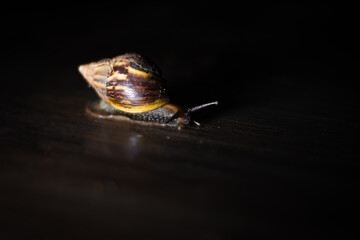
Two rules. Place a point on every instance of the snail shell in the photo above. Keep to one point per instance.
(132, 86)
(128, 82)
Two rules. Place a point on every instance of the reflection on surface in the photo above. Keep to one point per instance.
(113, 142)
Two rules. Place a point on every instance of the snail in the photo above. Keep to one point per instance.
(131, 87)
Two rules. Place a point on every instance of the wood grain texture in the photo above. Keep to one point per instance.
(259, 175)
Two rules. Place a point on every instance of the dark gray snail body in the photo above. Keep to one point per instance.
(132, 88)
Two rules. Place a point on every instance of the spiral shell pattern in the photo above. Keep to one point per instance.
(129, 82)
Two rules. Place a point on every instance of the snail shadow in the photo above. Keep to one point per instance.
(235, 84)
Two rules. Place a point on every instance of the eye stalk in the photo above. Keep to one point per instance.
(183, 114)
(193, 109)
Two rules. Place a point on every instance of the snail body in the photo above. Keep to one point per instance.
(131, 87)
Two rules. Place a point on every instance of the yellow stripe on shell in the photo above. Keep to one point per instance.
(116, 87)
(138, 72)
(97, 84)
(102, 69)
(118, 76)
(147, 107)
(120, 87)
(129, 69)
(99, 76)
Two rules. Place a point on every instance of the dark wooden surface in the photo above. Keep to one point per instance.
(277, 158)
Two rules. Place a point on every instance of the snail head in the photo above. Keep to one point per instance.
(182, 115)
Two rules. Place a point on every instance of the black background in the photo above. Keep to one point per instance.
(301, 58)
(246, 40)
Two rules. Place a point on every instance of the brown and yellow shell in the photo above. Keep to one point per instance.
(128, 82)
